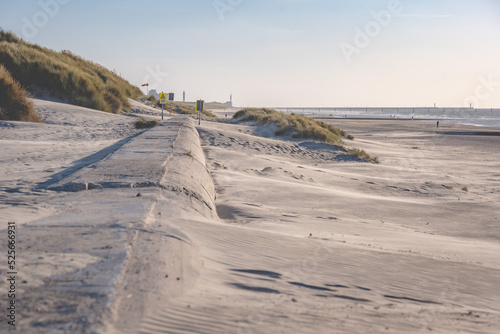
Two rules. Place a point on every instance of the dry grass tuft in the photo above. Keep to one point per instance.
(145, 124)
(364, 156)
(14, 106)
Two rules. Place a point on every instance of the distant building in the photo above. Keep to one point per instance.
(154, 93)
(184, 96)
(230, 102)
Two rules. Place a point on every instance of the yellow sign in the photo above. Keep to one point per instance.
(199, 105)
(163, 98)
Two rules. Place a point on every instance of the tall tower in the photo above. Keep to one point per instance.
(184, 96)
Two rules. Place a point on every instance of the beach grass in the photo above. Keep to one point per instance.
(184, 108)
(301, 127)
(14, 105)
(363, 155)
(296, 125)
(65, 75)
(145, 124)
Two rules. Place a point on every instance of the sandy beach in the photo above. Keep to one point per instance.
(226, 228)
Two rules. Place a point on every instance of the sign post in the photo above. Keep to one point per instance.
(199, 109)
(163, 100)
(171, 99)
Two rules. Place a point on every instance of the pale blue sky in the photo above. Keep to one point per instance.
(282, 52)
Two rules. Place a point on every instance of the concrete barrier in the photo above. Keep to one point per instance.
(113, 231)
(169, 157)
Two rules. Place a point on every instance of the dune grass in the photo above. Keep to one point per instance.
(145, 124)
(296, 125)
(184, 108)
(302, 127)
(14, 106)
(65, 75)
(363, 155)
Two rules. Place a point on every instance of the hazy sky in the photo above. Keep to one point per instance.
(283, 52)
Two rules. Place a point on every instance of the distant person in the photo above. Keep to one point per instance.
(437, 124)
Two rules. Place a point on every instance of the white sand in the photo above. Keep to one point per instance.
(306, 240)
(311, 244)
(35, 153)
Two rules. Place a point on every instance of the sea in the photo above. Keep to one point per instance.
(489, 117)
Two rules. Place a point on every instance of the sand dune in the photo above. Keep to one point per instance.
(237, 231)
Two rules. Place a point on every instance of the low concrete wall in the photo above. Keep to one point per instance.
(168, 156)
(113, 232)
